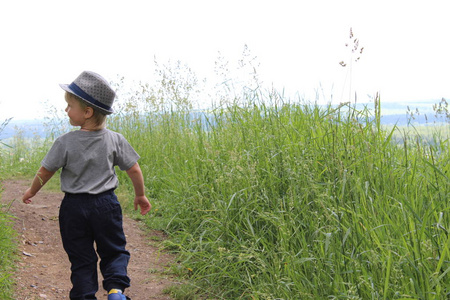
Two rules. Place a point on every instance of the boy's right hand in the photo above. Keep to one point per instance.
(27, 196)
(143, 203)
(42, 176)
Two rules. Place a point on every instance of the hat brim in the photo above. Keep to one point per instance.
(101, 109)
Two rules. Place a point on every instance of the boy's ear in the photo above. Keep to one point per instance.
(88, 112)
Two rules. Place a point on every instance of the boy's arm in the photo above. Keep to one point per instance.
(136, 177)
(42, 176)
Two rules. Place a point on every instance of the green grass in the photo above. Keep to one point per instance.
(280, 202)
(273, 200)
(7, 253)
(7, 234)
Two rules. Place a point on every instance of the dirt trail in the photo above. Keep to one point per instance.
(44, 270)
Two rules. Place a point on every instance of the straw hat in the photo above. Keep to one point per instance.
(94, 90)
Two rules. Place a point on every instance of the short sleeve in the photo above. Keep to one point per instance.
(126, 156)
(56, 157)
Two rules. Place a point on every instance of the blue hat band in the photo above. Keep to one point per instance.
(79, 92)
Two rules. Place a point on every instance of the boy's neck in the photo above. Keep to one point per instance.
(94, 129)
(89, 126)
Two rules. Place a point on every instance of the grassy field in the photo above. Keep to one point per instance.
(272, 200)
(7, 252)
(298, 201)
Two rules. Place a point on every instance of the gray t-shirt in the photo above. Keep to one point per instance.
(87, 159)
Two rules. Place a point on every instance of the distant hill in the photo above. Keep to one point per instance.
(402, 113)
(28, 128)
(392, 113)
(405, 120)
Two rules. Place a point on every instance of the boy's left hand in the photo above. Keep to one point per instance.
(143, 203)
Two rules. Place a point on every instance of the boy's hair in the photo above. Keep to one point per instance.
(98, 117)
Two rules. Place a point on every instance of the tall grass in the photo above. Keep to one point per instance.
(274, 200)
(7, 253)
(267, 199)
(7, 235)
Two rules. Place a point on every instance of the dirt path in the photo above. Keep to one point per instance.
(43, 269)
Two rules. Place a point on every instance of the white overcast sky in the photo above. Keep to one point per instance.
(298, 44)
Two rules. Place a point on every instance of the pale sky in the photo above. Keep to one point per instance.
(298, 44)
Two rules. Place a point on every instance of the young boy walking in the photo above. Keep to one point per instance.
(90, 211)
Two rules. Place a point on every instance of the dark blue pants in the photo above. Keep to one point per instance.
(85, 219)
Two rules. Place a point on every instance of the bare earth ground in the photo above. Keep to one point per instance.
(43, 270)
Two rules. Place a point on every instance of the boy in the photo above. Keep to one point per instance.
(90, 211)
